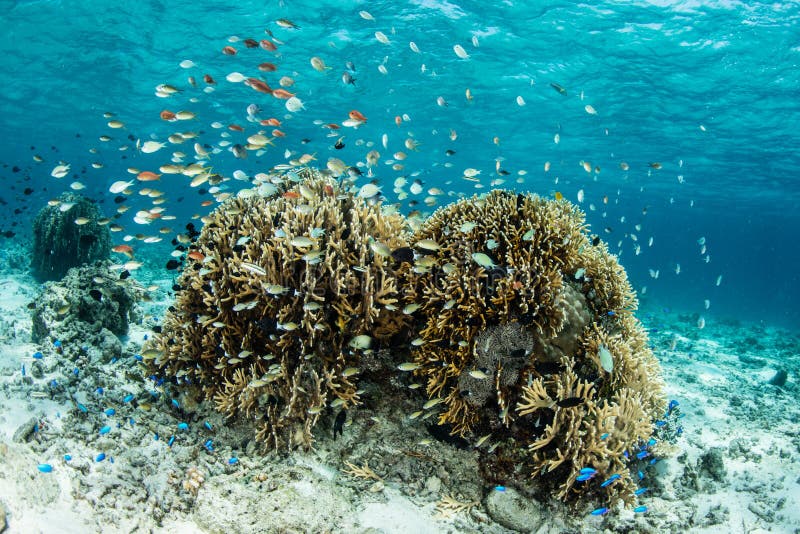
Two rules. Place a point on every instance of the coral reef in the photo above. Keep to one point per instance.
(90, 301)
(528, 346)
(282, 304)
(67, 233)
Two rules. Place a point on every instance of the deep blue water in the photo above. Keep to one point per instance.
(708, 90)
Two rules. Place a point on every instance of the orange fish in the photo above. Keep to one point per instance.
(266, 44)
(267, 67)
(251, 43)
(282, 93)
(328, 190)
(278, 133)
(168, 115)
(147, 176)
(208, 79)
(558, 195)
(259, 86)
(357, 116)
(272, 121)
(332, 126)
(229, 51)
(196, 255)
(124, 249)
(235, 128)
(398, 120)
(206, 203)
(291, 194)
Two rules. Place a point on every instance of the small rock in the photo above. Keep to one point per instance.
(711, 464)
(36, 370)
(24, 431)
(779, 379)
(433, 484)
(513, 510)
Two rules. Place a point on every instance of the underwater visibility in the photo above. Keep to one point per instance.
(402, 267)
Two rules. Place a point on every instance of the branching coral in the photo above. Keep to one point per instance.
(282, 298)
(527, 341)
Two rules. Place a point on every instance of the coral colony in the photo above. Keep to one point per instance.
(528, 344)
(517, 323)
(281, 300)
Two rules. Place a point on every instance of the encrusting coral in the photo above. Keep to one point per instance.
(280, 301)
(528, 345)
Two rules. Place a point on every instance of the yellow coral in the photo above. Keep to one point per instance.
(273, 321)
(528, 335)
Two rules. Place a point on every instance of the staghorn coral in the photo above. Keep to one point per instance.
(287, 294)
(528, 345)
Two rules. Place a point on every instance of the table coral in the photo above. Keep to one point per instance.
(283, 305)
(528, 345)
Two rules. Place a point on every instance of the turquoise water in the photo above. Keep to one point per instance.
(706, 90)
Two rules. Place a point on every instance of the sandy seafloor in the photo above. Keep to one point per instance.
(737, 468)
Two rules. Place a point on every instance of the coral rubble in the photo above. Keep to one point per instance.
(89, 302)
(282, 305)
(528, 345)
(60, 242)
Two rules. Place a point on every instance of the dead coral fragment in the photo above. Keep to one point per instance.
(273, 322)
(513, 344)
(364, 472)
(447, 506)
(194, 479)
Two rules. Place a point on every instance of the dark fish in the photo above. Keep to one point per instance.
(239, 151)
(339, 145)
(449, 152)
(338, 423)
(570, 402)
(558, 88)
(596, 240)
(96, 294)
(517, 354)
(124, 275)
(442, 433)
(348, 79)
(548, 368)
(27, 191)
(403, 254)
(119, 199)
(172, 264)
